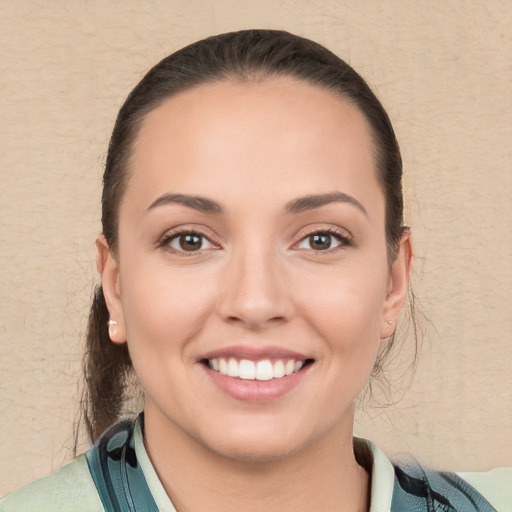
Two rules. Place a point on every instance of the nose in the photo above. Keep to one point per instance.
(254, 292)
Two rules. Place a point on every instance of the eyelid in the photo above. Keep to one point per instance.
(344, 237)
(177, 231)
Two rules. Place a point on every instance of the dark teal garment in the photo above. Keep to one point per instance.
(117, 475)
(122, 486)
(418, 489)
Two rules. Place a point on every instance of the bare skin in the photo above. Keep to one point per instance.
(252, 228)
(302, 481)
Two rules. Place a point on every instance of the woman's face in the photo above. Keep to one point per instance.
(252, 281)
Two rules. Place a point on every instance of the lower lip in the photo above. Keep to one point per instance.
(256, 390)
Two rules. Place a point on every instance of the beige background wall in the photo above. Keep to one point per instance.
(444, 71)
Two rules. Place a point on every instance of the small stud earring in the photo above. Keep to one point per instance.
(112, 329)
(389, 322)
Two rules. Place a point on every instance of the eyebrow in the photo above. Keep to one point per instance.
(298, 205)
(311, 202)
(196, 202)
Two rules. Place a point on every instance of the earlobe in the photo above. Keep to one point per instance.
(108, 269)
(398, 285)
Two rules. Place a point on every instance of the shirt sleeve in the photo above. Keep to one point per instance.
(495, 486)
(70, 488)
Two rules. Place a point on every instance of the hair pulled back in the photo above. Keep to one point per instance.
(241, 56)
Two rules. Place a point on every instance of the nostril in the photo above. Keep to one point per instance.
(254, 321)
(254, 299)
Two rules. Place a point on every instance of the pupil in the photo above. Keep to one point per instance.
(190, 242)
(320, 241)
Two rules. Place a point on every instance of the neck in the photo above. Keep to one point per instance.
(322, 476)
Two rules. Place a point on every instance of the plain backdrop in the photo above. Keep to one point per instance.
(444, 72)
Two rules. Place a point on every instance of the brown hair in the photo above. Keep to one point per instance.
(245, 55)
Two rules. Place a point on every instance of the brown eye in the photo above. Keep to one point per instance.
(189, 242)
(320, 242)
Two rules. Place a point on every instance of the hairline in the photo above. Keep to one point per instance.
(241, 77)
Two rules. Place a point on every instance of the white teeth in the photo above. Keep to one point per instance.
(223, 366)
(264, 370)
(278, 369)
(232, 368)
(249, 370)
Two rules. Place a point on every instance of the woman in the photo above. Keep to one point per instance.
(253, 259)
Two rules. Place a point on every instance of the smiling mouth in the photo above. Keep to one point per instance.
(262, 370)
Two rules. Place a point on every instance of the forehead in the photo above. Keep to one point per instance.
(247, 136)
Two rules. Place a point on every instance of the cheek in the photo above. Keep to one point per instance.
(163, 308)
(346, 307)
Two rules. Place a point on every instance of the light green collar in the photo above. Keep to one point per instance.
(382, 474)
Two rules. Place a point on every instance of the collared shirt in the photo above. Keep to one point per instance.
(117, 474)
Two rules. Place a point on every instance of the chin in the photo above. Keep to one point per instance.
(257, 445)
(255, 454)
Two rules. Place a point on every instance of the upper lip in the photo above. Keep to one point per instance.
(255, 353)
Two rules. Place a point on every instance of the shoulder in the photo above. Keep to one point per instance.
(478, 492)
(70, 488)
(494, 485)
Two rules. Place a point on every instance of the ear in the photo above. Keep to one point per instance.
(398, 285)
(108, 269)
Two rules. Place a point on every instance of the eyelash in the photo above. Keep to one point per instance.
(165, 242)
(344, 240)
